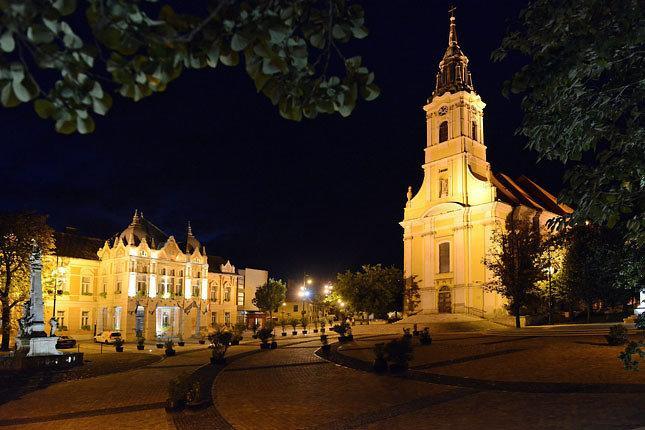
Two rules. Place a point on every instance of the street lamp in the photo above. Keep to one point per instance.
(59, 275)
(550, 271)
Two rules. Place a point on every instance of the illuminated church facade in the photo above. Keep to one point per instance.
(448, 221)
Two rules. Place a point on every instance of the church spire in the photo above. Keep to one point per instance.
(453, 74)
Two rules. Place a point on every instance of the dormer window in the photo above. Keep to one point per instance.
(443, 131)
(143, 253)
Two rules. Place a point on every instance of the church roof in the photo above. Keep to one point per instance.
(72, 245)
(140, 228)
(453, 74)
(524, 191)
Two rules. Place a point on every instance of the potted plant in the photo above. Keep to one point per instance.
(415, 332)
(181, 342)
(141, 343)
(424, 336)
(326, 347)
(169, 348)
(220, 340)
(274, 344)
(617, 335)
(238, 332)
(344, 331)
(380, 363)
(322, 325)
(304, 321)
(177, 392)
(159, 343)
(315, 325)
(284, 323)
(202, 339)
(399, 353)
(264, 334)
(294, 324)
(406, 333)
(118, 344)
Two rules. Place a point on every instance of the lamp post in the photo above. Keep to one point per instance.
(549, 273)
(59, 272)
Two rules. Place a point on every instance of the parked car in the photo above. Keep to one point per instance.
(65, 342)
(107, 337)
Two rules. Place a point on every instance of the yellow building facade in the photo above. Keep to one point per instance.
(448, 222)
(141, 280)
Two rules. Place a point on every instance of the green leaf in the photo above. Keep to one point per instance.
(7, 97)
(101, 106)
(360, 32)
(338, 32)
(65, 7)
(239, 42)
(317, 40)
(65, 126)
(39, 34)
(7, 44)
(44, 108)
(230, 59)
(21, 91)
(85, 125)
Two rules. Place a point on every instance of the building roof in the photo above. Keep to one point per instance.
(71, 244)
(140, 228)
(524, 191)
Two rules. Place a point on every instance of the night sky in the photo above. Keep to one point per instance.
(317, 196)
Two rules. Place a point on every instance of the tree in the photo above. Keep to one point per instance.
(270, 296)
(68, 60)
(582, 96)
(599, 266)
(374, 289)
(411, 295)
(516, 262)
(18, 232)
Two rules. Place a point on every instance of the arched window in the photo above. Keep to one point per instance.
(444, 257)
(474, 130)
(443, 131)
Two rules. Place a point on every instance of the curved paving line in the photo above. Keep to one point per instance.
(82, 414)
(210, 417)
(485, 384)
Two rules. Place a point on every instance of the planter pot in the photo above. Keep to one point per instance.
(426, 341)
(322, 330)
(415, 333)
(181, 343)
(350, 337)
(284, 333)
(326, 349)
(160, 345)
(379, 365)
(265, 346)
(201, 341)
(119, 348)
(235, 342)
(294, 333)
(141, 347)
(274, 345)
(170, 352)
(315, 330)
(304, 332)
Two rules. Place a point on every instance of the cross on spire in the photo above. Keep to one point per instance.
(451, 10)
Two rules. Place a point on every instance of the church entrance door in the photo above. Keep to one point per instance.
(445, 302)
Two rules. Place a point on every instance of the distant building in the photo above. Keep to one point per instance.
(141, 280)
(250, 280)
(447, 224)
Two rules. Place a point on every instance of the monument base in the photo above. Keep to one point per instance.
(38, 345)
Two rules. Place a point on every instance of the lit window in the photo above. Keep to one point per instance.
(295, 308)
(444, 257)
(227, 318)
(240, 298)
(60, 318)
(141, 287)
(213, 318)
(85, 318)
(85, 285)
(195, 291)
(227, 294)
(443, 131)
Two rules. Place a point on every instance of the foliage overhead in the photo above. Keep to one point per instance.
(68, 58)
(582, 95)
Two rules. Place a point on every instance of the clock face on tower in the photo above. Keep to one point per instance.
(443, 110)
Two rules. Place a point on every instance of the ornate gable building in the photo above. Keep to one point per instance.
(141, 280)
(447, 224)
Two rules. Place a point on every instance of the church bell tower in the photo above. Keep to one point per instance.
(455, 150)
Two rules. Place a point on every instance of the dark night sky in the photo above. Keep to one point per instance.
(316, 196)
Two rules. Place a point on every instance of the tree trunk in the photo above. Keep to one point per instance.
(6, 323)
(588, 312)
(517, 317)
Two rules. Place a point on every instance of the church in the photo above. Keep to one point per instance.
(448, 221)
